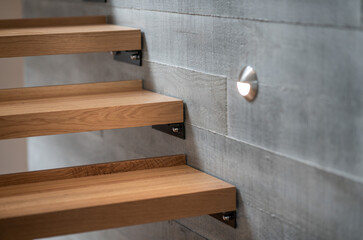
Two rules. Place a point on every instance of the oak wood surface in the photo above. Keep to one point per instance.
(33, 37)
(89, 111)
(90, 170)
(48, 22)
(12, 94)
(56, 207)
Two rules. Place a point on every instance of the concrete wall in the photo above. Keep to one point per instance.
(13, 152)
(295, 154)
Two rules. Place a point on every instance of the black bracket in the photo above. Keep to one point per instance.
(132, 57)
(175, 129)
(228, 218)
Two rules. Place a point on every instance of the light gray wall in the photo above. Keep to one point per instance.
(295, 154)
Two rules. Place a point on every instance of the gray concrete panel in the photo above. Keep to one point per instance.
(333, 13)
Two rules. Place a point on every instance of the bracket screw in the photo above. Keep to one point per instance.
(135, 57)
(227, 217)
(175, 129)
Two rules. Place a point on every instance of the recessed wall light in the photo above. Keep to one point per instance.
(247, 84)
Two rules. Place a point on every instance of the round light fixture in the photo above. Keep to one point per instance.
(247, 84)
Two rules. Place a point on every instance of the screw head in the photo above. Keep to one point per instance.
(175, 129)
(227, 218)
(135, 57)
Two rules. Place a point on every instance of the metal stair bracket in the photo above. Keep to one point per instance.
(174, 129)
(132, 57)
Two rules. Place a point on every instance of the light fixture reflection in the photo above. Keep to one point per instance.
(247, 85)
(243, 88)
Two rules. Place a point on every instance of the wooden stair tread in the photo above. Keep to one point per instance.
(62, 195)
(119, 199)
(70, 103)
(25, 112)
(48, 36)
(31, 31)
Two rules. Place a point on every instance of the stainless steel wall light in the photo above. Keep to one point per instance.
(247, 84)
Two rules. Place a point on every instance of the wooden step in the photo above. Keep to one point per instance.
(50, 36)
(36, 111)
(87, 198)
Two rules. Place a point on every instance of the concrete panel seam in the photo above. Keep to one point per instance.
(177, 222)
(263, 212)
(228, 17)
(274, 216)
(183, 68)
(310, 164)
(247, 19)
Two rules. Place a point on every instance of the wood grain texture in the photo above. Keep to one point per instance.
(13, 94)
(90, 203)
(64, 36)
(52, 22)
(90, 111)
(90, 170)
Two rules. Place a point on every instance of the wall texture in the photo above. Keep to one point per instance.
(295, 154)
(13, 152)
